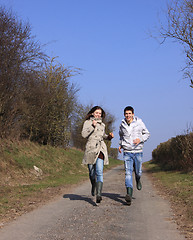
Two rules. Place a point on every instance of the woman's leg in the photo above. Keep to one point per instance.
(99, 177)
(92, 171)
(92, 177)
(99, 169)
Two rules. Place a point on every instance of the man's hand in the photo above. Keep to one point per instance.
(136, 141)
(119, 149)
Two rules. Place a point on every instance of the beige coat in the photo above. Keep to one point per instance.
(95, 141)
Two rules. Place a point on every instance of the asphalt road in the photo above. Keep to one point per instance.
(76, 216)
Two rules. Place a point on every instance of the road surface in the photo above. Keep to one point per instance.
(76, 216)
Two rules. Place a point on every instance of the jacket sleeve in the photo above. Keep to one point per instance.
(87, 129)
(107, 137)
(120, 135)
(145, 133)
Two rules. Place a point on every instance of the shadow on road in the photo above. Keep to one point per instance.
(113, 196)
(80, 198)
(116, 197)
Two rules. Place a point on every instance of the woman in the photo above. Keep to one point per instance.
(96, 155)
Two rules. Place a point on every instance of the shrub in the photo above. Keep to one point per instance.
(176, 153)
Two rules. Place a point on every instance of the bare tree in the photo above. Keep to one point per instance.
(109, 123)
(179, 27)
(37, 98)
(20, 55)
(77, 123)
(50, 105)
(113, 152)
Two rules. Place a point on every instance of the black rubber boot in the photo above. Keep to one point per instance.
(93, 188)
(138, 183)
(99, 186)
(128, 197)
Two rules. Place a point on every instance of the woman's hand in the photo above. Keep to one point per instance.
(94, 122)
(111, 135)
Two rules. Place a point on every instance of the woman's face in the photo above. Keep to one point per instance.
(97, 113)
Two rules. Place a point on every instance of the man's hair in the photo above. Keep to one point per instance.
(129, 108)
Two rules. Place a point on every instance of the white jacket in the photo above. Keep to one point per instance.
(129, 132)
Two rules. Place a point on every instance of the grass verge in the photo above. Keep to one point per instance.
(23, 189)
(178, 187)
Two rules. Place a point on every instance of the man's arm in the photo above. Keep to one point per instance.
(120, 139)
(145, 133)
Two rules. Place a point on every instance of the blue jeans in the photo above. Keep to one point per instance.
(96, 170)
(132, 159)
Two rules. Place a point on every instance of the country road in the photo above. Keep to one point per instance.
(76, 216)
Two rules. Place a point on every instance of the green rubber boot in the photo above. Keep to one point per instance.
(138, 183)
(128, 197)
(93, 182)
(99, 186)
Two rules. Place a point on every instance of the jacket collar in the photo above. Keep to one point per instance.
(99, 120)
(125, 122)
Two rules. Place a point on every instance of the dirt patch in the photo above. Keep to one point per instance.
(179, 208)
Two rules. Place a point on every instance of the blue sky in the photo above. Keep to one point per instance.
(121, 65)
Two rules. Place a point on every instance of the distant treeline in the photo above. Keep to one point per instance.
(38, 100)
(176, 153)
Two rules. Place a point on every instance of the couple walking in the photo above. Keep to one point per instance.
(133, 133)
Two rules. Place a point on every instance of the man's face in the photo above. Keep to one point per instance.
(129, 116)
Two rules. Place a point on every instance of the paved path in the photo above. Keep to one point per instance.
(76, 216)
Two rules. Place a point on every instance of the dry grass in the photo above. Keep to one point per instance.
(22, 189)
(177, 187)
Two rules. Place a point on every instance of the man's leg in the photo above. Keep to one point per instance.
(138, 169)
(128, 160)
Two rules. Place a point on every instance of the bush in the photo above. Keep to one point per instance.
(176, 153)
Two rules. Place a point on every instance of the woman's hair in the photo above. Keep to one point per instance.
(90, 113)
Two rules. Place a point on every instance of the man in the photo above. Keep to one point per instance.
(133, 133)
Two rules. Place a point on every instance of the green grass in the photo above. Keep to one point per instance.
(18, 182)
(179, 186)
